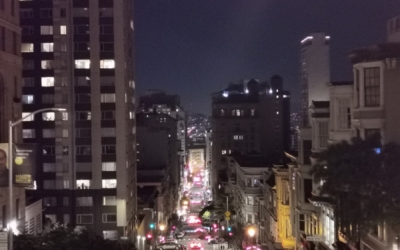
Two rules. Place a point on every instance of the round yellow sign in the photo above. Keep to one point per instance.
(18, 160)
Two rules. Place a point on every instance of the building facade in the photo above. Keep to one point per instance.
(78, 55)
(10, 102)
(315, 71)
(249, 118)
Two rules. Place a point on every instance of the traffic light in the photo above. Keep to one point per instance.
(149, 237)
(229, 229)
(152, 225)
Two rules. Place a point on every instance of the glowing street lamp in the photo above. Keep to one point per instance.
(162, 227)
(251, 232)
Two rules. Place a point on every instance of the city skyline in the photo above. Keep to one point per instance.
(257, 42)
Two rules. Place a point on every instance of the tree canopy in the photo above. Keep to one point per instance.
(67, 239)
(363, 179)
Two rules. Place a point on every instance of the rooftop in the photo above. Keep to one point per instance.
(375, 53)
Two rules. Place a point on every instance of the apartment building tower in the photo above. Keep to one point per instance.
(249, 118)
(10, 101)
(315, 72)
(78, 55)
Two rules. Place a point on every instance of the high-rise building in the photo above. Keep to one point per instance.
(249, 118)
(10, 102)
(78, 55)
(394, 30)
(315, 72)
(158, 102)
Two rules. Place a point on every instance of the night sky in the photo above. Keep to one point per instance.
(195, 47)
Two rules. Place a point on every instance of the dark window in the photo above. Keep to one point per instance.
(108, 115)
(15, 44)
(46, 13)
(106, 29)
(372, 132)
(106, 46)
(307, 190)
(3, 39)
(49, 150)
(372, 87)
(302, 223)
(83, 133)
(108, 149)
(2, 4)
(83, 116)
(4, 213)
(83, 98)
(84, 150)
(17, 211)
(12, 7)
(81, 29)
(81, 46)
(27, 30)
(63, 12)
(307, 152)
(26, 13)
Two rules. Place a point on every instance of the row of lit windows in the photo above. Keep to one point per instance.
(79, 98)
(80, 184)
(77, 12)
(83, 133)
(81, 149)
(80, 201)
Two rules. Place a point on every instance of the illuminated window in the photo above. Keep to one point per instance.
(109, 166)
(28, 99)
(109, 183)
(65, 133)
(108, 132)
(109, 200)
(48, 116)
(46, 30)
(107, 64)
(84, 201)
(107, 98)
(26, 47)
(47, 81)
(29, 118)
(47, 64)
(28, 133)
(82, 64)
(253, 112)
(83, 184)
(223, 152)
(63, 29)
(48, 133)
(64, 116)
(47, 47)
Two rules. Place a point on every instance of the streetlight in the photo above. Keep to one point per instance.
(251, 232)
(162, 227)
(227, 207)
(10, 166)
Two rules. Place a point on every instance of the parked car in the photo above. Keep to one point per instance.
(171, 240)
(168, 245)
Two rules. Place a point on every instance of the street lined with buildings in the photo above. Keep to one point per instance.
(81, 150)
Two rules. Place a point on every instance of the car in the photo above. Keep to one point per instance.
(179, 235)
(168, 245)
(171, 240)
(195, 246)
(216, 238)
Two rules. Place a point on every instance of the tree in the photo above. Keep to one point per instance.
(61, 238)
(362, 179)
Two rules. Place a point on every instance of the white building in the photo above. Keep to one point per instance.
(315, 71)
